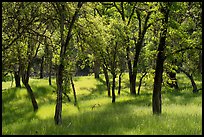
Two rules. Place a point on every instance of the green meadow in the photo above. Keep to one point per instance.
(95, 114)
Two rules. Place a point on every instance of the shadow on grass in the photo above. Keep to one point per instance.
(115, 119)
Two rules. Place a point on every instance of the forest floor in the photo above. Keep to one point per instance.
(96, 114)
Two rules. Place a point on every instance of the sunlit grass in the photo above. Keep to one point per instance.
(181, 112)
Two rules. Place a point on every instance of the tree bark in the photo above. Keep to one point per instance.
(74, 91)
(190, 76)
(113, 88)
(96, 68)
(58, 108)
(119, 83)
(140, 83)
(59, 82)
(156, 98)
(107, 79)
(25, 80)
(17, 79)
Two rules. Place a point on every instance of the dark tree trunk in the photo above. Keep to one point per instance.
(96, 68)
(129, 67)
(140, 83)
(41, 67)
(134, 72)
(25, 80)
(156, 98)
(17, 79)
(34, 102)
(58, 108)
(50, 72)
(113, 88)
(119, 83)
(107, 79)
(190, 76)
(74, 91)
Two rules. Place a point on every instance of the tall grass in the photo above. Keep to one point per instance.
(181, 111)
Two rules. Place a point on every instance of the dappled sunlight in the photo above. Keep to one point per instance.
(95, 114)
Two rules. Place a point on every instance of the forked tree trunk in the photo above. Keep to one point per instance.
(25, 79)
(140, 83)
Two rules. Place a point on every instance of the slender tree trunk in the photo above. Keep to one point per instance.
(96, 68)
(156, 98)
(119, 83)
(74, 91)
(58, 109)
(25, 80)
(50, 72)
(41, 67)
(34, 102)
(190, 76)
(129, 67)
(113, 88)
(140, 83)
(107, 79)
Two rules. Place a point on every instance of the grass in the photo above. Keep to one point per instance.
(181, 111)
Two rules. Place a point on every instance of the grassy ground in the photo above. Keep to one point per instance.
(181, 111)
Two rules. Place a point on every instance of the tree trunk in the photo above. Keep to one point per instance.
(17, 79)
(107, 79)
(34, 102)
(73, 88)
(58, 108)
(41, 67)
(113, 88)
(96, 68)
(129, 67)
(25, 80)
(119, 83)
(50, 72)
(140, 83)
(156, 98)
(190, 76)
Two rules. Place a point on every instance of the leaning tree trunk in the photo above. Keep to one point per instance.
(107, 79)
(156, 98)
(140, 83)
(25, 79)
(74, 91)
(190, 76)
